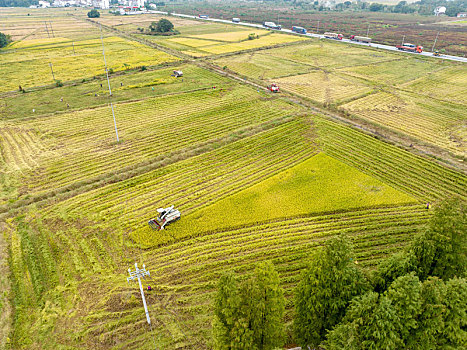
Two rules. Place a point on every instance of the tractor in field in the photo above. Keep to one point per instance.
(165, 216)
(177, 73)
(273, 87)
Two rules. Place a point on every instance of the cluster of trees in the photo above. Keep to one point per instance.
(416, 299)
(249, 315)
(18, 3)
(94, 14)
(422, 7)
(162, 27)
(4, 40)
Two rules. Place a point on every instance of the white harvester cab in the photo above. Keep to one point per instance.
(177, 74)
(165, 217)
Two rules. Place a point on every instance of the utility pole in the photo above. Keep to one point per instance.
(368, 30)
(138, 273)
(74, 53)
(317, 29)
(403, 39)
(53, 76)
(108, 82)
(436, 39)
(47, 29)
(51, 29)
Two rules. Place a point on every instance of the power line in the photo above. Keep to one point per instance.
(108, 82)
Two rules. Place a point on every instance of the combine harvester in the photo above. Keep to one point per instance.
(410, 47)
(273, 87)
(165, 217)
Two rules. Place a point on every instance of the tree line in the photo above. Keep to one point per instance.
(415, 299)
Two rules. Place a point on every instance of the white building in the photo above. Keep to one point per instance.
(462, 14)
(133, 3)
(44, 4)
(440, 10)
(101, 4)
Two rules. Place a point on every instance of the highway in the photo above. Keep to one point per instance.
(319, 36)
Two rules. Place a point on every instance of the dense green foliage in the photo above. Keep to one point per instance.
(94, 14)
(18, 3)
(409, 315)
(326, 289)
(162, 26)
(4, 40)
(440, 251)
(249, 316)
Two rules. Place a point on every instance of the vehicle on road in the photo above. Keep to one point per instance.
(299, 30)
(203, 16)
(410, 47)
(335, 36)
(436, 53)
(360, 39)
(272, 25)
(236, 20)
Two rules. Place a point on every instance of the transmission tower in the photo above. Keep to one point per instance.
(137, 274)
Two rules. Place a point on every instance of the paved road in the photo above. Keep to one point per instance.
(312, 35)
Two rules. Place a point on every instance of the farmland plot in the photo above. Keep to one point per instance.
(328, 55)
(150, 129)
(324, 87)
(93, 93)
(432, 121)
(258, 65)
(449, 84)
(30, 66)
(397, 72)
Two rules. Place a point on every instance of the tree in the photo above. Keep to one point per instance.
(268, 306)
(325, 290)
(4, 40)
(442, 249)
(249, 316)
(375, 7)
(163, 26)
(409, 315)
(370, 323)
(439, 251)
(94, 14)
(226, 312)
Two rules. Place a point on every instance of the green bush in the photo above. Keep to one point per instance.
(94, 14)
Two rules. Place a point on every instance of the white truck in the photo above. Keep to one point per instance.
(272, 25)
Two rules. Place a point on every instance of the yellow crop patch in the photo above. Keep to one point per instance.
(318, 184)
(231, 36)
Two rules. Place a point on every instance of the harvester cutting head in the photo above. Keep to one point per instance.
(165, 217)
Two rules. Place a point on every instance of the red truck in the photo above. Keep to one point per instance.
(410, 47)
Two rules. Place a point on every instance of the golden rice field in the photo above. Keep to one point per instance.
(323, 87)
(435, 122)
(268, 40)
(232, 36)
(31, 65)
